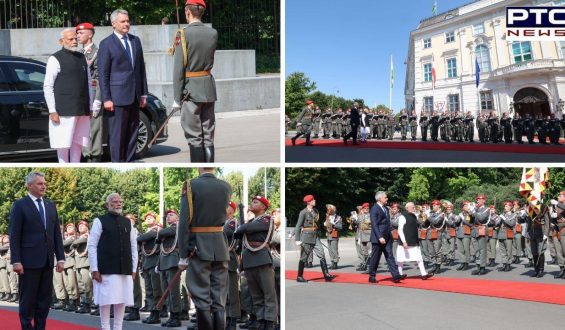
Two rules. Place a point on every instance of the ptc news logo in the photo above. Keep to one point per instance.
(535, 23)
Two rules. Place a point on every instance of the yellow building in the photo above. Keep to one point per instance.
(514, 76)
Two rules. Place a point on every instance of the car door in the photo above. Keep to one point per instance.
(29, 78)
(12, 127)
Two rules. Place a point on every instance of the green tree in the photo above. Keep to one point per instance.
(297, 88)
(258, 182)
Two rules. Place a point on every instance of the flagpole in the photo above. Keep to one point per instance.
(390, 84)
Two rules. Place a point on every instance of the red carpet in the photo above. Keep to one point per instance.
(451, 146)
(10, 320)
(538, 292)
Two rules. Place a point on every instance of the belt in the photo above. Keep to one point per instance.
(257, 244)
(197, 74)
(308, 229)
(199, 230)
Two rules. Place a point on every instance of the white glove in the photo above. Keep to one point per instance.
(522, 213)
(298, 124)
(298, 243)
(183, 262)
(544, 237)
(157, 270)
(96, 106)
(554, 202)
(553, 214)
(175, 105)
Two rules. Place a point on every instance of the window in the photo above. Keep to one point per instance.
(486, 100)
(427, 43)
(428, 72)
(449, 37)
(483, 57)
(428, 103)
(4, 82)
(478, 29)
(451, 68)
(29, 76)
(522, 51)
(453, 102)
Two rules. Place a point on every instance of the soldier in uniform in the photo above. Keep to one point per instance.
(558, 221)
(450, 235)
(258, 264)
(286, 123)
(93, 152)
(403, 121)
(203, 243)
(436, 221)
(470, 127)
(538, 231)
(481, 216)
(555, 130)
(464, 224)
(363, 222)
(335, 125)
(517, 241)
(304, 123)
(133, 311)
(83, 268)
(506, 124)
(394, 217)
(233, 306)
(193, 81)
(306, 234)
(327, 123)
(505, 224)
(413, 125)
(5, 293)
(529, 128)
(333, 225)
(150, 251)
(381, 125)
(59, 287)
(390, 126)
(539, 125)
(518, 126)
(168, 267)
(276, 255)
(69, 274)
(317, 122)
(424, 122)
(434, 122)
(481, 127)
(492, 236)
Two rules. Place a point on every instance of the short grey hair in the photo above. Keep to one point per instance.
(115, 13)
(112, 195)
(408, 204)
(379, 194)
(31, 177)
(62, 35)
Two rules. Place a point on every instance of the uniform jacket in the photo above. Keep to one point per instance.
(149, 244)
(229, 230)
(307, 219)
(166, 237)
(79, 244)
(256, 231)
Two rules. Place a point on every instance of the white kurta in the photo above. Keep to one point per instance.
(412, 253)
(114, 289)
(71, 128)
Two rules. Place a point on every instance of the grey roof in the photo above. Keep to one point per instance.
(441, 16)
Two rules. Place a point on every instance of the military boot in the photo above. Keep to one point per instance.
(269, 325)
(153, 318)
(204, 319)
(491, 263)
(219, 319)
(196, 154)
(3, 296)
(209, 154)
(173, 321)
(72, 306)
(541, 265)
(327, 276)
(60, 304)
(250, 322)
(14, 298)
(299, 277)
(133, 315)
(231, 323)
(144, 308)
(561, 273)
(308, 143)
(476, 271)
(463, 266)
(84, 305)
(164, 311)
(184, 315)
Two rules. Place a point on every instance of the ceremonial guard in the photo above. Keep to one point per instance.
(450, 234)
(506, 124)
(193, 84)
(233, 306)
(133, 311)
(304, 123)
(307, 238)
(327, 123)
(394, 216)
(69, 274)
(424, 122)
(529, 128)
(555, 130)
(506, 224)
(538, 231)
(333, 225)
(5, 290)
(168, 263)
(434, 122)
(59, 286)
(258, 264)
(390, 126)
(381, 125)
(492, 236)
(317, 122)
(464, 224)
(83, 268)
(363, 222)
(403, 121)
(470, 127)
(203, 246)
(539, 125)
(517, 241)
(558, 222)
(276, 255)
(518, 126)
(150, 250)
(481, 217)
(522, 214)
(436, 220)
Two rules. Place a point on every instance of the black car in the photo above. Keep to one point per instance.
(24, 133)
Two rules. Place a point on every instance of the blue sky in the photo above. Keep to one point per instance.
(346, 45)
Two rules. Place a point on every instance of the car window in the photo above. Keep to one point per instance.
(4, 82)
(29, 77)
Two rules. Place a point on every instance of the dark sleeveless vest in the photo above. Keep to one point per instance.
(71, 85)
(114, 247)
(411, 229)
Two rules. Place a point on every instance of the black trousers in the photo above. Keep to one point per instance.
(353, 133)
(376, 252)
(123, 127)
(35, 287)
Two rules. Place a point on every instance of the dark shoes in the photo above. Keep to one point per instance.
(153, 318)
(133, 315)
(479, 271)
(463, 266)
(403, 276)
(428, 275)
(372, 279)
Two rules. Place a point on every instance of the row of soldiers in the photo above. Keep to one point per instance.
(159, 258)
(447, 126)
(475, 233)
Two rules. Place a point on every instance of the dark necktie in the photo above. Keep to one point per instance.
(41, 212)
(386, 213)
(128, 49)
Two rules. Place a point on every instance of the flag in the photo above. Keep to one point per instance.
(477, 72)
(434, 9)
(433, 74)
(391, 73)
(532, 187)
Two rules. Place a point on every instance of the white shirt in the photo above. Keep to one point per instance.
(401, 223)
(120, 36)
(34, 198)
(94, 238)
(51, 72)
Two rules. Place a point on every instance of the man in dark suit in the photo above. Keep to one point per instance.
(355, 121)
(123, 84)
(202, 241)
(381, 239)
(35, 237)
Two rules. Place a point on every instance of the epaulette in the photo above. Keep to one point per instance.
(180, 39)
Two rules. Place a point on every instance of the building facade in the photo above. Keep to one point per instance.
(523, 77)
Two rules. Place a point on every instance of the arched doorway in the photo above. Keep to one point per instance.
(533, 101)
